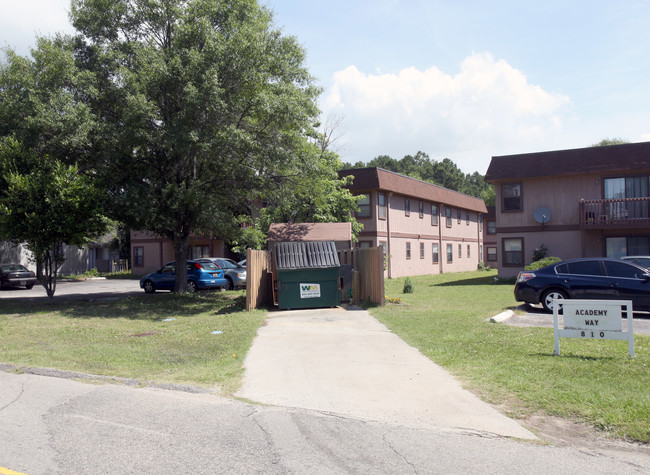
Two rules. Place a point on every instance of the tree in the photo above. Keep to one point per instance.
(204, 107)
(608, 141)
(46, 204)
(46, 199)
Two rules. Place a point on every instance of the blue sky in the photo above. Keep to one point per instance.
(463, 79)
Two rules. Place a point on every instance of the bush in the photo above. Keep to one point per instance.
(483, 266)
(547, 261)
(408, 286)
(540, 253)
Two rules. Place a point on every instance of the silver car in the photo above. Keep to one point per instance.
(233, 272)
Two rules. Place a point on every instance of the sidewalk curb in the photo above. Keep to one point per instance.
(502, 317)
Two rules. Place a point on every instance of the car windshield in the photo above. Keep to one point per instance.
(13, 268)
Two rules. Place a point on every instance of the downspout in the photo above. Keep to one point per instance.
(388, 195)
(440, 253)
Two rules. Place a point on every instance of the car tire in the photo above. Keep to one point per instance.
(549, 295)
(191, 286)
(148, 287)
(29, 286)
(230, 285)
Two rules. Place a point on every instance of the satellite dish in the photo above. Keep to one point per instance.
(542, 215)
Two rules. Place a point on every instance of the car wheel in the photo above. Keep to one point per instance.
(229, 285)
(29, 286)
(148, 287)
(191, 286)
(549, 295)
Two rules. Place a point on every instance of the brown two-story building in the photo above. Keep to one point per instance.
(424, 228)
(587, 202)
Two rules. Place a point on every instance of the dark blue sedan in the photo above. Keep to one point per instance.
(595, 278)
(200, 275)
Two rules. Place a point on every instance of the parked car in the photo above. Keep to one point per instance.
(200, 275)
(595, 278)
(16, 275)
(643, 261)
(233, 272)
(242, 263)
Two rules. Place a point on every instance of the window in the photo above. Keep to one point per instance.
(196, 252)
(407, 207)
(381, 203)
(622, 269)
(421, 250)
(511, 197)
(364, 207)
(491, 253)
(434, 251)
(450, 253)
(480, 251)
(467, 217)
(581, 268)
(448, 216)
(621, 246)
(383, 246)
(513, 252)
(138, 256)
(468, 250)
(365, 244)
(459, 214)
(480, 223)
(421, 209)
(434, 215)
(460, 251)
(408, 250)
(492, 227)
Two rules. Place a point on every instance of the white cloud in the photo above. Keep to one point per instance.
(488, 108)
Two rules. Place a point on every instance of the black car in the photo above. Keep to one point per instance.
(16, 275)
(595, 278)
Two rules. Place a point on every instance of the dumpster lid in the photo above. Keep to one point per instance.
(306, 255)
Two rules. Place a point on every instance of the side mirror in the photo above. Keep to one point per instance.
(645, 276)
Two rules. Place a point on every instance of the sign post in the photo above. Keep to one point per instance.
(593, 319)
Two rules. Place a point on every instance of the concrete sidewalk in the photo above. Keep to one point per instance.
(345, 362)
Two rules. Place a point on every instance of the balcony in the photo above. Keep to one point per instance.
(615, 214)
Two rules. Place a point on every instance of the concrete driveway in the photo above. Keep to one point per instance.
(343, 361)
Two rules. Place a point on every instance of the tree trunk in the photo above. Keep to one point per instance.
(181, 240)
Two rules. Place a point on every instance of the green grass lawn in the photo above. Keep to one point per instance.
(169, 338)
(161, 337)
(591, 381)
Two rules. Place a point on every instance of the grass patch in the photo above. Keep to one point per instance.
(163, 337)
(592, 381)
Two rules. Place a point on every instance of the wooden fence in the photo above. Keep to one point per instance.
(365, 267)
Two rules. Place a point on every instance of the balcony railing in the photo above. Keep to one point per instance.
(617, 213)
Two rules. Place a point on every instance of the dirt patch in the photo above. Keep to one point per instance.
(566, 433)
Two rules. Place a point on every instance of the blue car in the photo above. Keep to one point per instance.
(200, 275)
(590, 278)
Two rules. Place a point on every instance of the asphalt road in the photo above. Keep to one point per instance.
(56, 425)
(87, 289)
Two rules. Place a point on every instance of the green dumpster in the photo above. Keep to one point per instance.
(307, 274)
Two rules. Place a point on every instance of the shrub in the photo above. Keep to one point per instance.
(408, 286)
(483, 266)
(547, 261)
(540, 253)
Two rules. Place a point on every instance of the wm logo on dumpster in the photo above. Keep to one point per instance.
(309, 291)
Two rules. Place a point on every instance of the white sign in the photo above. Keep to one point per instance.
(597, 319)
(309, 291)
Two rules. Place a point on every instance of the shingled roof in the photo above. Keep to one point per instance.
(373, 178)
(607, 159)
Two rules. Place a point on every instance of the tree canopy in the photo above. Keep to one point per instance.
(206, 109)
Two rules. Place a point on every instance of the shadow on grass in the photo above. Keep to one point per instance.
(153, 307)
(572, 356)
(487, 280)
(238, 304)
